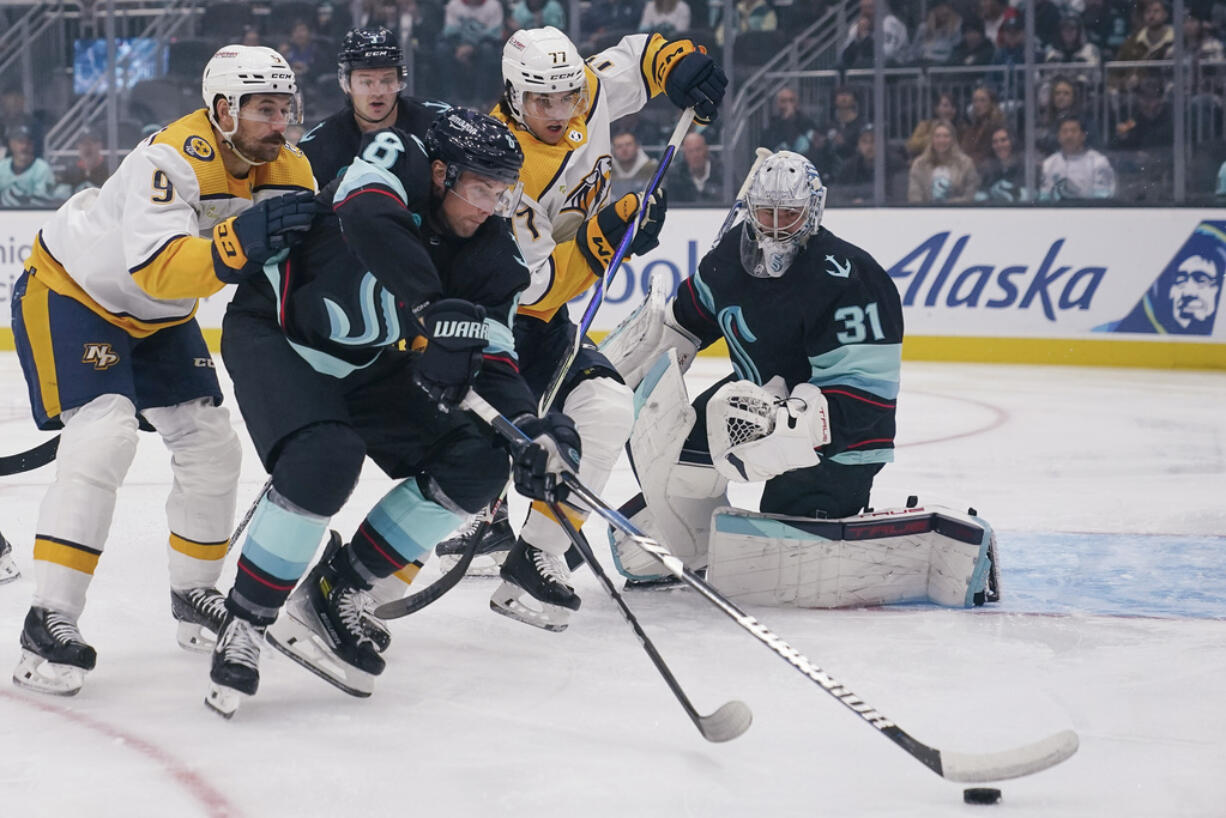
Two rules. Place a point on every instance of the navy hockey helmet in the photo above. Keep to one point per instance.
(371, 47)
(465, 139)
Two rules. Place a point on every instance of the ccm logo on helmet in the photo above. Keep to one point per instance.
(460, 329)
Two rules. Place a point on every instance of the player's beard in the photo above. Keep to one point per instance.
(259, 150)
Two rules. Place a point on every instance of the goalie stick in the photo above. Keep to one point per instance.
(40, 455)
(967, 768)
(726, 723)
(415, 602)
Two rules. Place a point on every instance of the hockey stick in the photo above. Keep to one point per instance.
(415, 602)
(726, 723)
(40, 455)
(760, 156)
(961, 767)
(598, 293)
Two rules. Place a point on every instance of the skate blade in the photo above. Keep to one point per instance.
(508, 600)
(37, 674)
(195, 638)
(483, 565)
(304, 646)
(222, 700)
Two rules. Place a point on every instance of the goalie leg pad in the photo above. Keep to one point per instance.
(880, 558)
(677, 498)
(639, 340)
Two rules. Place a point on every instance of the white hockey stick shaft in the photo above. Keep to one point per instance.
(961, 767)
(760, 156)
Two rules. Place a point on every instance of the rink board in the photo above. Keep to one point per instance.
(986, 284)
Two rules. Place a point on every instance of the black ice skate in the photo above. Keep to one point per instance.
(54, 657)
(236, 665)
(199, 612)
(322, 629)
(8, 568)
(491, 551)
(536, 588)
(375, 627)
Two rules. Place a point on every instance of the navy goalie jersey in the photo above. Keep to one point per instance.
(833, 319)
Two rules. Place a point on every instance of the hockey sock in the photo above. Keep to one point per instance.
(399, 531)
(280, 542)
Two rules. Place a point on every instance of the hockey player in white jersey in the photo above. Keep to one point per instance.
(560, 108)
(103, 319)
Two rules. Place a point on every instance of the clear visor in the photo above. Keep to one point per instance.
(781, 221)
(367, 86)
(272, 109)
(561, 105)
(489, 194)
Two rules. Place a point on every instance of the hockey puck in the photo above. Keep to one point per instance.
(981, 795)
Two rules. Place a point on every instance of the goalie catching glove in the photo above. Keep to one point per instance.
(600, 235)
(243, 243)
(455, 335)
(555, 447)
(756, 433)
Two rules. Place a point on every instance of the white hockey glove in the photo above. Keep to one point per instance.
(756, 433)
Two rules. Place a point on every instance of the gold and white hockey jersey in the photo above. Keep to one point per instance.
(138, 250)
(567, 183)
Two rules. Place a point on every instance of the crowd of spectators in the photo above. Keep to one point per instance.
(966, 143)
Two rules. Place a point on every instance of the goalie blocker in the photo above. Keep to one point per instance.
(885, 557)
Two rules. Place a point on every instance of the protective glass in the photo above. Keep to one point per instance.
(272, 109)
(561, 105)
(487, 193)
(363, 84)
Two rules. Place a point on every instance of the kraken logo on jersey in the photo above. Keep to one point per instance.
(591, 192)
(198, 147)
(1184, 299)
(838, 270)
(737, 333)
(100, 355)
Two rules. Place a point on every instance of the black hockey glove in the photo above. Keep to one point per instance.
(695, 80)
(600, 235)
(243, 243)
(555, 447)
(455, 338)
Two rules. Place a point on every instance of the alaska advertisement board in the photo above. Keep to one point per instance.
(1090, 275)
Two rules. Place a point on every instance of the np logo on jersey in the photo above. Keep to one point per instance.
(1185, 297)
(838, 270)
(100, 355)
(197, 147)
(590, 192)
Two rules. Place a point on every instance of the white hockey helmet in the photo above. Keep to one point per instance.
(784, 206)
(542, 61)
(236, 71)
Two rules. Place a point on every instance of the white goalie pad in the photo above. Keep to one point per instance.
(642, 336)
(884, 557)
(757, 432)
(678, 498)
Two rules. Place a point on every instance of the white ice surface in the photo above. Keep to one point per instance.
(1108, 492)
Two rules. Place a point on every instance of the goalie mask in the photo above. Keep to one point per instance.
(784, 204)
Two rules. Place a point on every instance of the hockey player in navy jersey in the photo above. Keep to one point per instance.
(814, 331)
(407, 251)
(371, 71)
(560, 108)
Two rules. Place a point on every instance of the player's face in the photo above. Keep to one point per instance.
(780, 222)
(1194, 291)
(374, 92)
(262, 120)
(473, 199)
(547, 115)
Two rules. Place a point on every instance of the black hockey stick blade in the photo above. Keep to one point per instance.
(40, 455)
(730, 720)
(413, 603)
